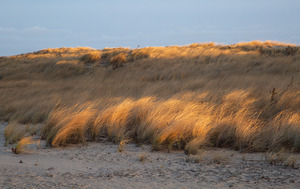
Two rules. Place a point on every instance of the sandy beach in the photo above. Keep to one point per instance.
(100, 165)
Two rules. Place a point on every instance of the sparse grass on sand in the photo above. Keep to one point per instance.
(14, 132)
(143, 157)
(20, 147)
(281, 158)
(244, 96)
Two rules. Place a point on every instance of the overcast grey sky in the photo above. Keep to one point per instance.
(31, 25)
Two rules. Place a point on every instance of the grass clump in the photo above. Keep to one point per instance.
(138, 54)
(20, 147)
(68, 126)
(122, 145)
(291, 161)
(91, 57)
(195, 158)
(118, 60)
(143, 157)
(281, 158)
(192, 147)
(219, 158)
(14, 132)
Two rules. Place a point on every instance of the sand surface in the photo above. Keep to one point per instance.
(100, 165)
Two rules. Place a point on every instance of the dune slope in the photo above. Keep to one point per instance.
(244, 96)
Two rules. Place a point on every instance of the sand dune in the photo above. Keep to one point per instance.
(204, 100)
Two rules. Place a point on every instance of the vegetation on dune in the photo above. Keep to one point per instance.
(20, 147)
(14, 132)
(244, 96)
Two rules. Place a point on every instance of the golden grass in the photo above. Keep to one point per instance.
(243, 96)
(118, 60)
(20, 147)
(91, 57)
(65, 126)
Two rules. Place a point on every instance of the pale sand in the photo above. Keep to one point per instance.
(100, 165)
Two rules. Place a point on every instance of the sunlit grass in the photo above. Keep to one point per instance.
(20, 147)
(244, 96)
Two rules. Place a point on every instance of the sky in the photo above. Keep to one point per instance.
(32, 25)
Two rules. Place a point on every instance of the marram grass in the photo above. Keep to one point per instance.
(244, 96)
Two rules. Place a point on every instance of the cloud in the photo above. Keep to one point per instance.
(34, 30)
(6, 30)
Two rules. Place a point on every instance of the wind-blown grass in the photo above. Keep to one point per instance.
(244, 96)
(20, 147)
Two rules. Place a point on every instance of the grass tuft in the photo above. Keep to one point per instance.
(13, 133)
(91, 57)
(281, 158)
(143, 157)
(122, 145)
(20, 147)
(118, 60)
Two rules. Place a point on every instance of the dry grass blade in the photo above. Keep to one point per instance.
(123, 144)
